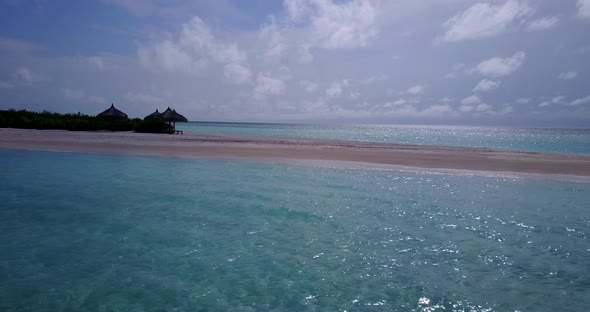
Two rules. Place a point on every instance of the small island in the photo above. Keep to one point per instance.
(112, 119)
(96, 134)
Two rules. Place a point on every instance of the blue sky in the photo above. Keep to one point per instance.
(506, 62)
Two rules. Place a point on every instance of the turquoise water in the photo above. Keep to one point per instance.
(111, 233)
(559, 141)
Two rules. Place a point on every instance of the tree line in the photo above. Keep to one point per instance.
(45, 120)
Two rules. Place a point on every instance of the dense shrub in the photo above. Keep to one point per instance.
(24, 119)
(153, 126)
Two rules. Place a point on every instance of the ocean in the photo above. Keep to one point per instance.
(83, 232)
(556, 141)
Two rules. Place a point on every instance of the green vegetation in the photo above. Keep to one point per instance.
(152, 126)
(24, 119)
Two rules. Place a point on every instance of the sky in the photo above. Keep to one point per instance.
(442, 62)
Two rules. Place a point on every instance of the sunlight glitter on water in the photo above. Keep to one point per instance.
(560, 141)
(230, 236)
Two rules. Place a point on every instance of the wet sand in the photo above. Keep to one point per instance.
(298, 151)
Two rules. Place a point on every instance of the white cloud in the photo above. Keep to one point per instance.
(346, 25)
(584, 8)
(568, 75)
(236, 73)
(466, 108)
(486, 85)
(341, 25)
(484, 20)
(335, 90)
(437, 109)
(296, 9)
(470, 100)
(192, 52)
(483, 107)
(457, 68)
(580, 101)
(223, 73)
(545, 104)
(400, 102)
(408, 110)
(416, 90)
(266, 85)
(388, 105)
(308, 86)
(498, 67)
(305, 56)
(284, 73)
(374, 78)
(474, 104)
(196, 35)
(168, 56)
(309, 24)
(276, 45)
(227, 53)
(542, 23)
(23, 77)
(558, 99)
(327, 24)
(506, 110)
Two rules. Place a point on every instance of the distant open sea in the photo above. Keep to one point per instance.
(557, 141)
(83, 232)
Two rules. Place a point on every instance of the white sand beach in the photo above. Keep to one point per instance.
(289, 150)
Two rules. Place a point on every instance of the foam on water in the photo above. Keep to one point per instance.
(86, 232)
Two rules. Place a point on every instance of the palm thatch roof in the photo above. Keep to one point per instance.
(153, 116)
(170, 115)
(112, 113)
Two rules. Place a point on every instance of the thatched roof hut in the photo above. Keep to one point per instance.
(112, 113)
(153, 116)
(170, 115)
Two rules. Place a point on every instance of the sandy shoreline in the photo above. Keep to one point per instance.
(287, 150)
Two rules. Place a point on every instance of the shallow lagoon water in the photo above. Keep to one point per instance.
(111, 233)
(556, 141)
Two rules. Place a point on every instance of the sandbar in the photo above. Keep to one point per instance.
(294, 150)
